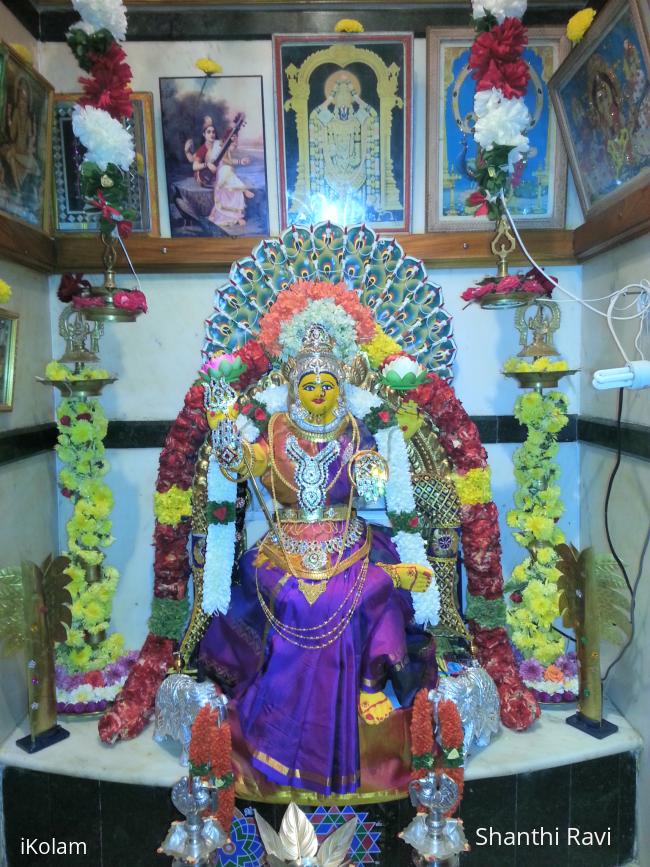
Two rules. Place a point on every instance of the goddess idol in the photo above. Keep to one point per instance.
(325, 388)
(320, 621)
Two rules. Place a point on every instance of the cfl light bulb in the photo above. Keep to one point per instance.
(634, 375)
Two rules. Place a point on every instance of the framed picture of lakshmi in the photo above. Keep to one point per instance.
(25, 151)
(343, 107)
(538, 198)
(215, 155)
(70, 211)
(601, 94)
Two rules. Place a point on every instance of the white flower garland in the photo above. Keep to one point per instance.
(104, 138)
(400, 498)
(101, 15)
(275, 398)
(501, 9)
(219, 546)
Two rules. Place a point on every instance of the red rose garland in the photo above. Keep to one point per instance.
(479, 536)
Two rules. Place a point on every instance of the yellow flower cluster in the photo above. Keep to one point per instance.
(57, 372)
(514, 364)
(538, 506)
(23, 52)
(208, 66)
(348, 25)
(5, 292)
(82, 427)
(473, 486)
(173, 505)
(579, 24)
(380, 347)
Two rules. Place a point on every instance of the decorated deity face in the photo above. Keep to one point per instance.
(319, 394)
(409, 419)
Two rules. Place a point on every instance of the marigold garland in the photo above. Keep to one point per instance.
(172, 506)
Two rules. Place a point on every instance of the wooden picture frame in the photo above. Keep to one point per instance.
(366, 82)
(25, 141)
(601, 97)
(8, 341)
(70, 214)
(539, 200)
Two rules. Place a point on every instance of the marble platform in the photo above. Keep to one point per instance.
(118, 800)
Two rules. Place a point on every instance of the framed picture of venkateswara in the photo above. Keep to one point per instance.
(344, 113)
(538, 200)
(71, 215)
(25, 151)
(601, 95)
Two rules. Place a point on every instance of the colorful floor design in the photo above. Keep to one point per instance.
(365, 844)
(246, 849)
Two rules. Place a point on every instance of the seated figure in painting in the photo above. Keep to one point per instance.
(321, 618)
(324, 390)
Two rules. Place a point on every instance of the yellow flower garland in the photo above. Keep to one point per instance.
(5, 292)
(348, 25)
(173, 505)
(380, 347)
(579, 24)
(473, 487)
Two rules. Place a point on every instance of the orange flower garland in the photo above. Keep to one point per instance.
(297, 297)
(210, 755)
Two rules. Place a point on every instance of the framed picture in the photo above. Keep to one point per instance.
(215, 155)
(8, 336)
(343, 105)
(601, 95)
(25, 152)
(70, 213)
(539, 199)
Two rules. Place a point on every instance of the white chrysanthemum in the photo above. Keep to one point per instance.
(399, 490)
(334, 319)
(220, 545)
(103, 14)
(411, 549)
(104, 138)
(360, 401)
(246, 428)
(501, 121)
(275, 398)
(499, 8)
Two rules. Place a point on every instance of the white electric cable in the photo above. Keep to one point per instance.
(643, 286)
(128, 259)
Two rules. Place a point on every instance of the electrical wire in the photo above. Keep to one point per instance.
(644, 285)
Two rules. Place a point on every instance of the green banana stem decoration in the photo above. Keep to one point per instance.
(593, 603)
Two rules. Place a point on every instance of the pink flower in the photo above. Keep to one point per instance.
(131, 299)
(88, 301)
(509, 283)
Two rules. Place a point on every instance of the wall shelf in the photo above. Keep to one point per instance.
(26, 245)
(209, 255)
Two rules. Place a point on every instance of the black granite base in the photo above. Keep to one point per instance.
(122, 825)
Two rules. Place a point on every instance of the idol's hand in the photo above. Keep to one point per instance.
(409, 576)
(227, 444)
(374, 707)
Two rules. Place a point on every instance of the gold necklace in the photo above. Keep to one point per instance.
(316, 437)
(284, 630)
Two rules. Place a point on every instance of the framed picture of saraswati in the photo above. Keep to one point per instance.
(344, 110)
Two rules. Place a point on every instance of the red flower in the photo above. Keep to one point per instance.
(194, 399)
(511, 78)
(516, 597)
(94, 678)
(108, 88)
(246, 408)
(509, 283)
(70, 285)
(66, 492)
(130, 299)
(88, 301)
(519, 710)
(220, 513)
(478, 200)
(108, 211)
(65, 420)
(414, 522)
(124, 228)
(84, 416)
(384, 415)
(135, 703)
(259, 414)
(545, 284)
(504, 43)
(257, 364)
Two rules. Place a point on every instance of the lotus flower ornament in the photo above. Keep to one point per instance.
(297, 844)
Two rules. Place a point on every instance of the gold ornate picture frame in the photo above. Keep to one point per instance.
(8, 341)
(539, 199)
(344, 114)
(25, 141)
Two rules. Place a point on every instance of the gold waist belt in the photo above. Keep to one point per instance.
(326, 513)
